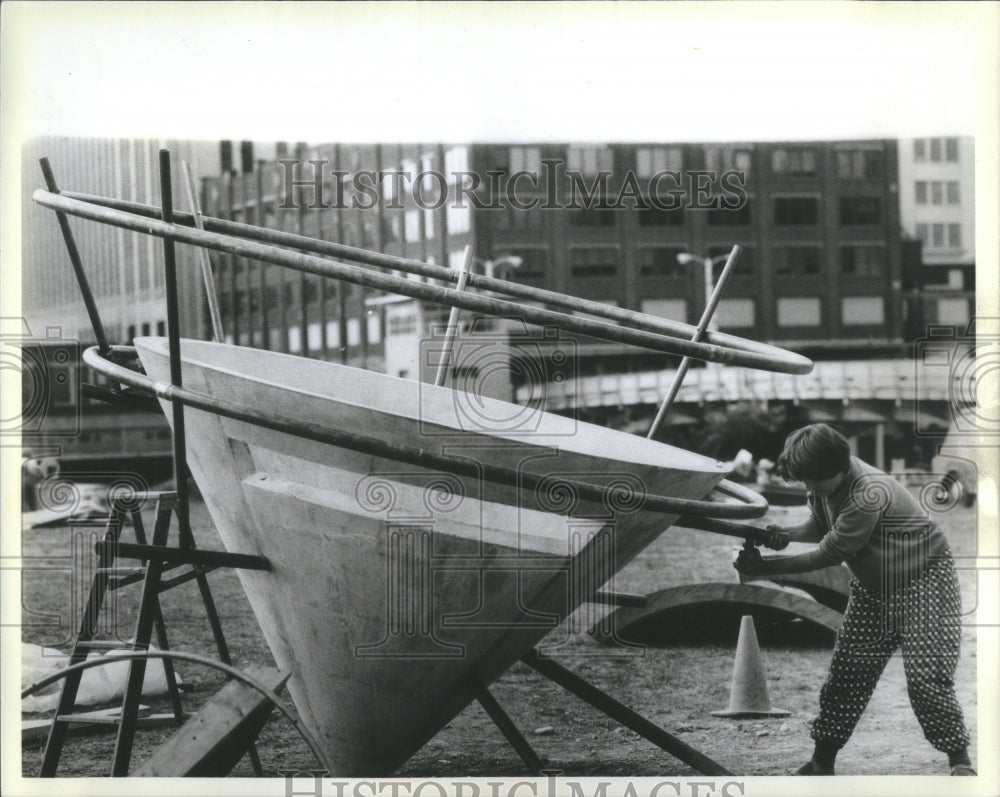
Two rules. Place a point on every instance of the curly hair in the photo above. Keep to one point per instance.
(816, 451)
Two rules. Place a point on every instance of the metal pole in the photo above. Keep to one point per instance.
(206, 264)
(706, 318)
(173, 333)
(793, 363)
(452, 330)
(737, 351)
(74, 258)
(507, 727)
(623, 714)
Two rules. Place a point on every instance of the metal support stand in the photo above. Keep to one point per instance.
(623, 714)
(109, 578)
(507, 727)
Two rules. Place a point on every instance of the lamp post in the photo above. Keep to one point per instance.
(497, 267)
(712, 297)
(708, 264)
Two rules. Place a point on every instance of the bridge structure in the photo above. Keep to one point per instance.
(924, 395)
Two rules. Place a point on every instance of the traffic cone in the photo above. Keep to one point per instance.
(748, 694)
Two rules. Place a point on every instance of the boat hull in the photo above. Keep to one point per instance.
(395, 587)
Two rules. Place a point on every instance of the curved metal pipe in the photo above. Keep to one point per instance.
(633, 318)
(195, 658)
(750, 355)
(754, 504)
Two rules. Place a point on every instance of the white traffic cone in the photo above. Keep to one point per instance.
(748, 694)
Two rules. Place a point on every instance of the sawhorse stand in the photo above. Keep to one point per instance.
(155, 560)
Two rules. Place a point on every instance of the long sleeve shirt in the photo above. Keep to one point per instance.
(874, 525)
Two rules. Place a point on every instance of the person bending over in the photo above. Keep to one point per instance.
(904, 593)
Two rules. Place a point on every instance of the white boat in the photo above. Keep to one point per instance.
(396, 581)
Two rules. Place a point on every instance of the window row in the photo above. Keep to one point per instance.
(940, 236)
(674, 262)
(851, 164)
(793, 312)
(788, 211)
(937, 192)
(935, 150)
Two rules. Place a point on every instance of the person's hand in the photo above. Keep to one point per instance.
(749, 562)
(775, 538)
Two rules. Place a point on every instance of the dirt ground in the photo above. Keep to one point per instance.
(675, 686)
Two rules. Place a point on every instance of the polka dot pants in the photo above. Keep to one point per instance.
(923, 619)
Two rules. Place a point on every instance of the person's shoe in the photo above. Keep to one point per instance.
(812, 768)
(963, 769)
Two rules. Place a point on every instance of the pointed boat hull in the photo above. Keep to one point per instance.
(393, 585)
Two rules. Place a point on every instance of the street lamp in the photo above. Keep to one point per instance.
(508, 262)
(708, 264)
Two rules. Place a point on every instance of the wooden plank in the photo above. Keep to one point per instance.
(39, 728)
(213, 741)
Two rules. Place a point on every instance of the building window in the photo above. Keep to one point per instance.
(592, 217)
(798, 312)
(525, 159)
(860, 210)
(658, 217)
(955, 236)
(793, 160)
(862, 310)
(862, 260)
(796, 210)
(937, 192)
(590, 160)
(374, 327)
(859, 164)
(671, 309)
(728, 159)
(738, 217)
(534, 263)
(736, 313)
(513, 218)
(797, 260)
(389, 185)
(353, 332)
(937, 236)
(654, 160)
(459, 219)
(660, 261)
(935, 149)
(598, 261)
(456, 159)
(411, 225)
(427, 183)
(391, 227)
(314, 337)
